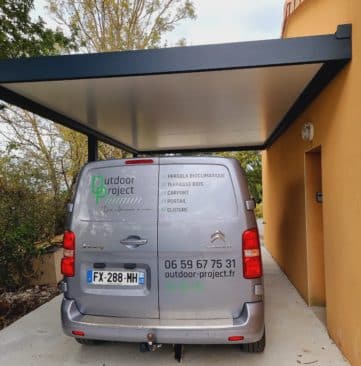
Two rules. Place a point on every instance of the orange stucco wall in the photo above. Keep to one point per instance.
(336, 115)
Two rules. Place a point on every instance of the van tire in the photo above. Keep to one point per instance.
(86, 342)
(256, 347)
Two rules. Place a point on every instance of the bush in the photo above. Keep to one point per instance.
(25, 218)
(17, 251)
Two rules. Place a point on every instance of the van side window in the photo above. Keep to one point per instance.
(196, 190)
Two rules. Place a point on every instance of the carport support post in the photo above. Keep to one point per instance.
(92, 148)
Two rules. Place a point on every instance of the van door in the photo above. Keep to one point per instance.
(115, 223)
(200, 229)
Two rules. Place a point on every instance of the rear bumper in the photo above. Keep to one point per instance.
(250, 325)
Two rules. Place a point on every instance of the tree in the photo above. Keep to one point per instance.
(27, 170)
(116, 25)
(22, 37)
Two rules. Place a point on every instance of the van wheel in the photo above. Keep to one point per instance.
(256, 347)
(86, 342)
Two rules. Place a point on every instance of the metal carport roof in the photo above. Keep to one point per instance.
(216, 97)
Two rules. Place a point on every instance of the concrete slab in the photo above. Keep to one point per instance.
(295, 336)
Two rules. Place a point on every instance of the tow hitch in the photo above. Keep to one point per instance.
(150, 346)
(145, 347)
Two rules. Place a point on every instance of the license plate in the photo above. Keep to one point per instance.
(119, 278)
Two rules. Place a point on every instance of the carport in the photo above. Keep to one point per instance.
(239, 96)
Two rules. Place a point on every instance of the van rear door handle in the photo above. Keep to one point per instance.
(133, 241)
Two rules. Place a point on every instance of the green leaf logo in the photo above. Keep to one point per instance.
(98, 188)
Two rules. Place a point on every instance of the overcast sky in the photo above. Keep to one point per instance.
(232, 21)
(222, 21)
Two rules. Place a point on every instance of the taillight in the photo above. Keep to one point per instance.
(252, 262)
(139, 161)
(67, 266)
(68, 262)
(69, 240)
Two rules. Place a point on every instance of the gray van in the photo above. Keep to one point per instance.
(163, 250)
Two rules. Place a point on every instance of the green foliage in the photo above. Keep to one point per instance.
(20, 36)
(24, 219)
(251, 163)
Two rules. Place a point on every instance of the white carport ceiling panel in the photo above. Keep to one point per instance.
(181, 111)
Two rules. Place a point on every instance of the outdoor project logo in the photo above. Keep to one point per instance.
(98, 188)
(118, 189)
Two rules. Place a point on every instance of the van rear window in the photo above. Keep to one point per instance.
(114, 193)
(201, 190)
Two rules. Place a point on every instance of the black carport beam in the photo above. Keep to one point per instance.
(92, 148)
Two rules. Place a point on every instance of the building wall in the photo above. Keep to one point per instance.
(336, 115)
(289, 7)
